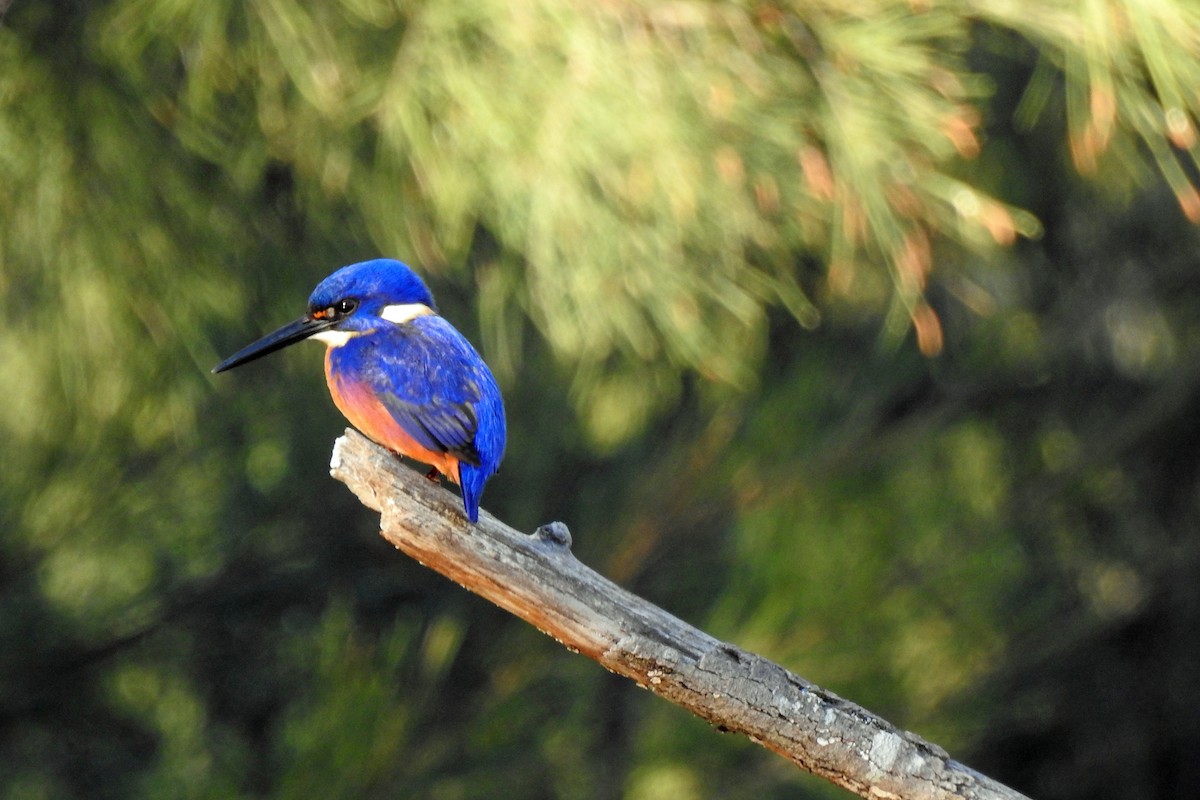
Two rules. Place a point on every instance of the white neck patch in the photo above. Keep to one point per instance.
(334, 338)
(401, 313)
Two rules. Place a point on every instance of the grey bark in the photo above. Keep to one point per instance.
(537, 578)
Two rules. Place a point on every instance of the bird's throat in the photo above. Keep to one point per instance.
(334, 338)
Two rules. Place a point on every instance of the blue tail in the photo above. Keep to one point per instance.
(473, 478)
(489, 443)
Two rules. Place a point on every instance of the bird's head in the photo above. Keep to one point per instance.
(352, 301)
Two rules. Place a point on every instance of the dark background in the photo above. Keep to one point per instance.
(861, 337)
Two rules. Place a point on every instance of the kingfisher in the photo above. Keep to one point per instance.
(400, 373)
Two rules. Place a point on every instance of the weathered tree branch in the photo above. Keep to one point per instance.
(537, 578)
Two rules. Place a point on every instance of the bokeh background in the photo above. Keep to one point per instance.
(860, 334)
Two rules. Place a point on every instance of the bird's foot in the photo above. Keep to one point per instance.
(434, 475)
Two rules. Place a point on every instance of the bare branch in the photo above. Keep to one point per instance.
(537, 578)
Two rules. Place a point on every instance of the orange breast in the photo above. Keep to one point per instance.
(365, 412)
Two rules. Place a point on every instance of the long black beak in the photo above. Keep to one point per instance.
(289, 334)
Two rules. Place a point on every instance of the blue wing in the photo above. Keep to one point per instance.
(437, 388)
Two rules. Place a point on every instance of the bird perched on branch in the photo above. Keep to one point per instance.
(400, 372)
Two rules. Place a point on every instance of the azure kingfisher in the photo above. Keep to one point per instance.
(400, 372)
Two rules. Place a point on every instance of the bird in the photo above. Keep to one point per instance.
(400, 372)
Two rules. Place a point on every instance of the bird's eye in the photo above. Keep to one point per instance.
(336, 311)
(339, 309)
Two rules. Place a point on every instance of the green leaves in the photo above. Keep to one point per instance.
(687, 221)
(1129, 85)
(650, 174)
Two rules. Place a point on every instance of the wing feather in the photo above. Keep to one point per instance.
(428, 378)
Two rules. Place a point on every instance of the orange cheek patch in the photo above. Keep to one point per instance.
(365, 412)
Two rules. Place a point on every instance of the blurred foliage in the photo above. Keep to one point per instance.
(774, 344)
(711, 147)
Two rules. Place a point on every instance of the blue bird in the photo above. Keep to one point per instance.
(400, 373)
